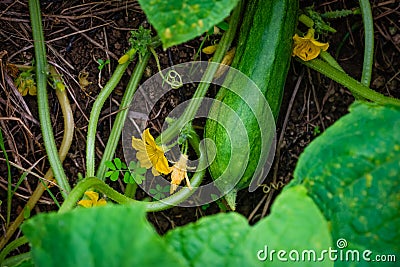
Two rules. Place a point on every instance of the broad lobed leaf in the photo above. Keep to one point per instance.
(352, 171)
(182, 20)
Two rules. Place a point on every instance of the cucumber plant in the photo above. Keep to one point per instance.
(263, 53)
(328, 199)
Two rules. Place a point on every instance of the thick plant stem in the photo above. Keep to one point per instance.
(172, 131)
(92, 182)
(130, 190)
(43, 105)
(163, 204)
(62, 153)
(330, 60)
(353, 85)
(121, 116)
(368, 22)
(94, 116)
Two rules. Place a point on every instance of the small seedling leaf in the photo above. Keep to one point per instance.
(114, 176)
(110, 165)
(118, 163)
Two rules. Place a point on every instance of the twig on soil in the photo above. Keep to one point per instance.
(319, 110)
(62, 153)
(21, 122)
(58, 55)
(93, 41)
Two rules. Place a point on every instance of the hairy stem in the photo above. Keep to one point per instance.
(369, 42)
(130, 190)
(95, 113)
(121, 116)
(43, 105)
(353, 85)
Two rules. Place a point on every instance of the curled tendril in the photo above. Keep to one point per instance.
(268, 187)
(173, 78)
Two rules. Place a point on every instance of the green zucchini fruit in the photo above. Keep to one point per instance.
(263, 54)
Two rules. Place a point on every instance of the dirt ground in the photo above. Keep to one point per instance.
(78, 33)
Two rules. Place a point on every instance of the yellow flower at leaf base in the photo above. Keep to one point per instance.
(150, 155)
(179, 172)
(92, 201)
(307, 47)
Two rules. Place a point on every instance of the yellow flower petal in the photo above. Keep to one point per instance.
(148, 138)
(143, 159)
(307, 47)
(138, 144)
(150, 154)
(87, 203)
(155, 172)
(32, 90)
(101, 202)
(162, 165)
(93, 201)
(94, 196)
(178, 173)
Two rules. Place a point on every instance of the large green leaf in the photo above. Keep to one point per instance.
(178, 21)
(296, 227)
(211, 241)
(100, 236)
(227, 240)
(121, 236)
(352, 172)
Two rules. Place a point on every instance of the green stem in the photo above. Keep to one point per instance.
(92, 182)
(330, 60)
(353, 85)
(17, 259)
(43, 105)
(368, 22)
(121, 116)
(94, 116)
(130, 190)
(226, 40)
(13, 245)
(163, 204)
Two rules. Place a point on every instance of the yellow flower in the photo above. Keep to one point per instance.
(179, 172)
(150, 154)
(92, 201)
(307, 47)
(25, 84)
